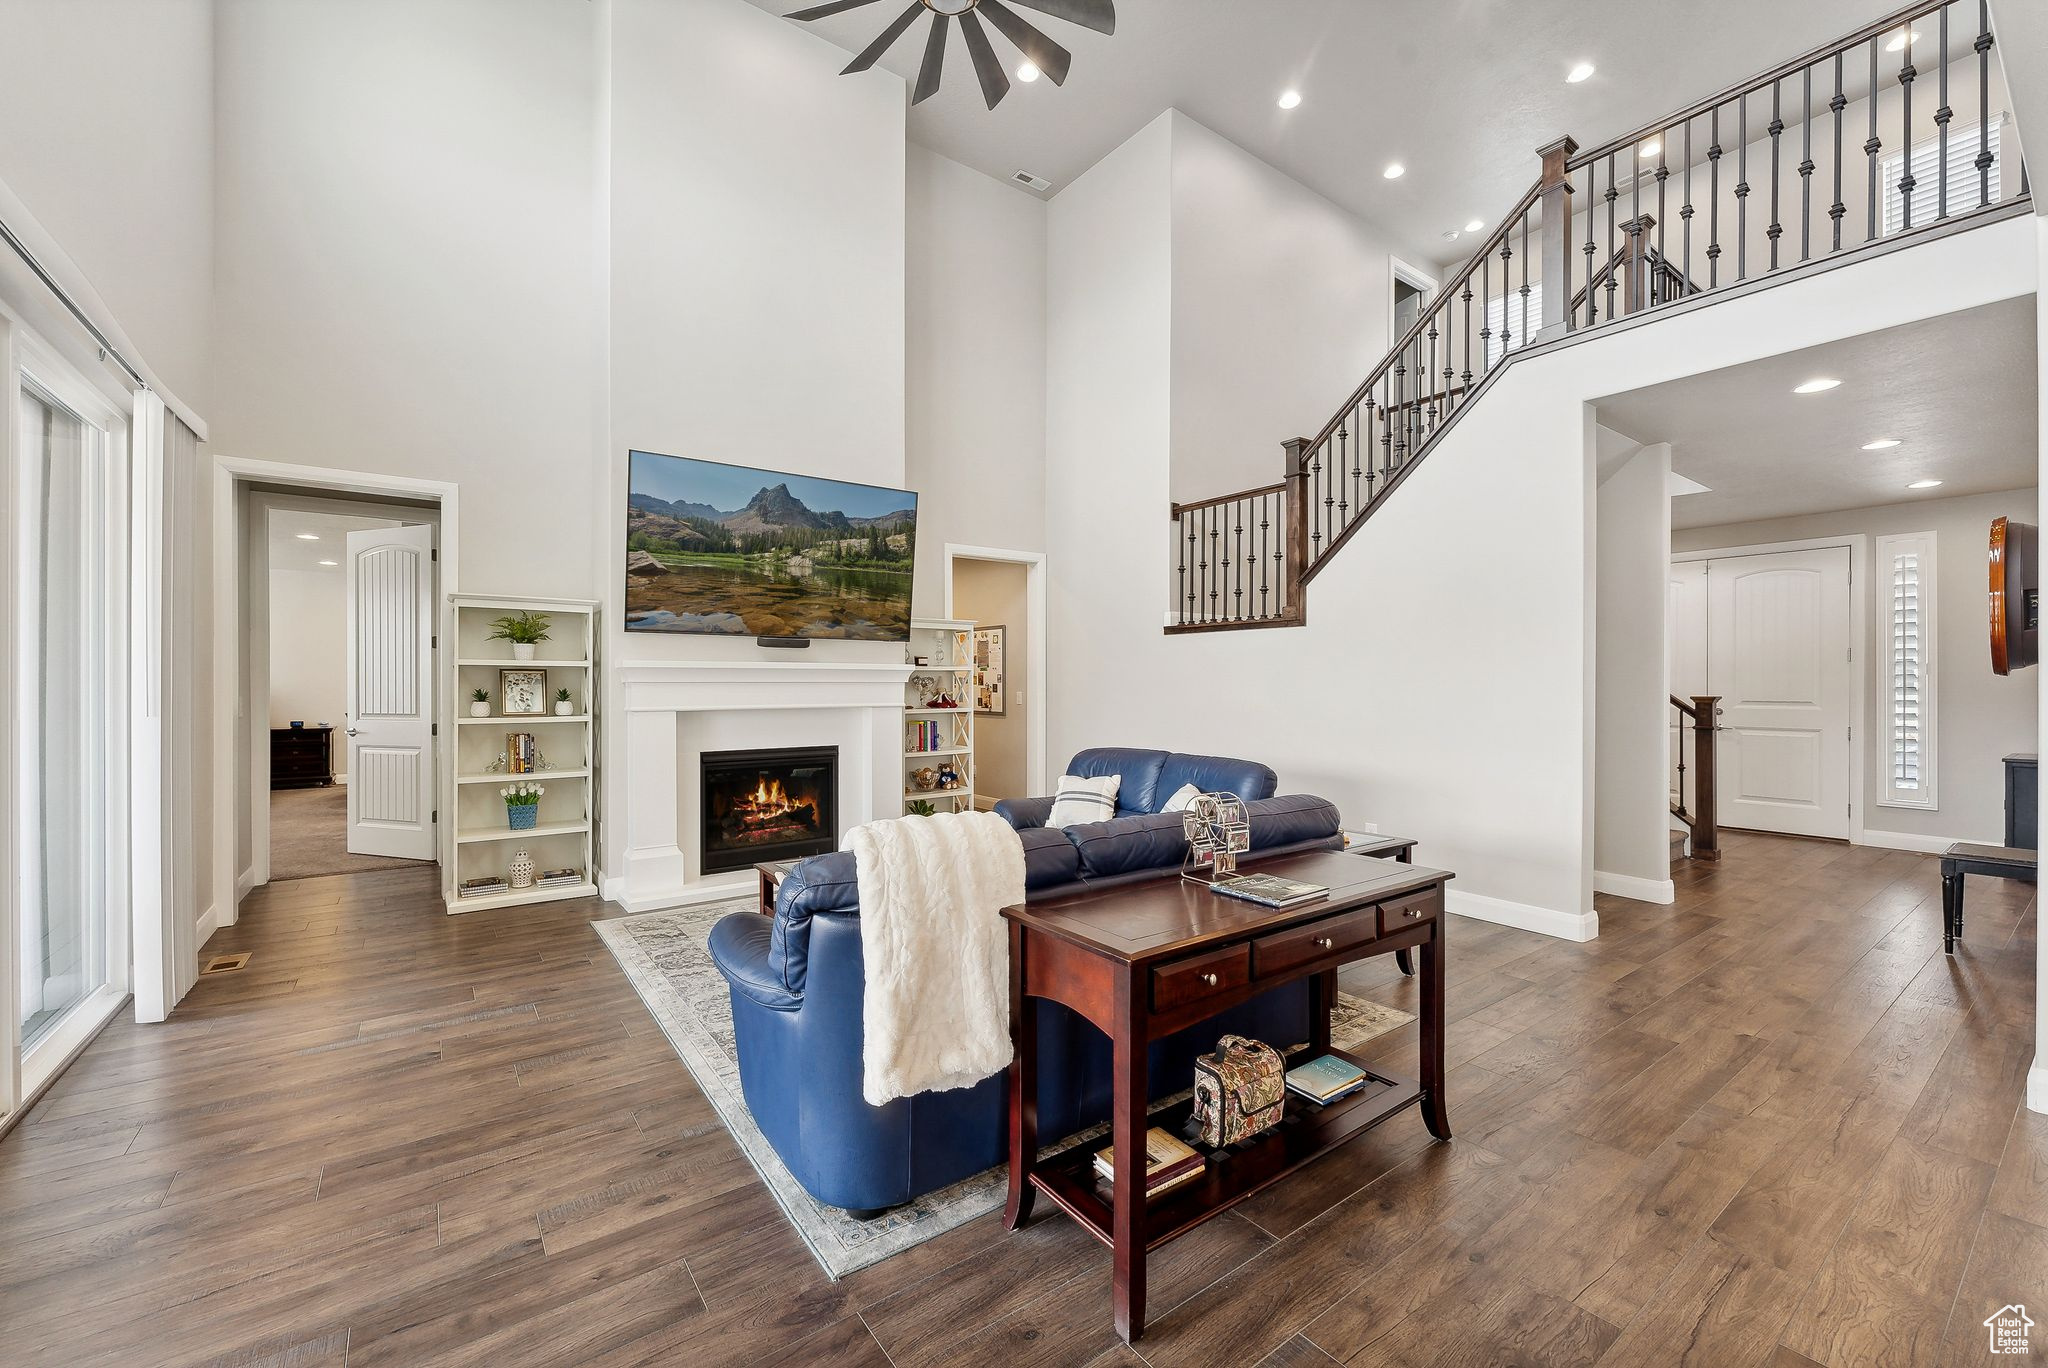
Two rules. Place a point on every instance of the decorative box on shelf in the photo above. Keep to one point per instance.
(525, 733)
(938, 716)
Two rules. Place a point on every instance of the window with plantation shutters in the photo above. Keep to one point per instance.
(1906, 587)
(1966, 188)
(1507, 314)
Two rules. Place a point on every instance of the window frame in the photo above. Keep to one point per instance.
(1962, 144)
(1925, 796)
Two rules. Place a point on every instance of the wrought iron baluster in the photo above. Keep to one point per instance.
(1465, 297)
(1838, 209)
(1714, 199)
(1906, 178)
(1871, 146)
(1742, 186)
(1180, 522)
(1364, 447)
(1525, 277)
(1592, 275)
(1387, 417)
(1635, 228)
(1607, 268)
(1663, 170)
(1685, 213)
(1776, 128)
(1942, 114)
(1806, 163)
(1343, 500)
(1984, 157)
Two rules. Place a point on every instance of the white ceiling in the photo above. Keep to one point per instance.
(1957, 391)
(290, 551)
(1461, 92)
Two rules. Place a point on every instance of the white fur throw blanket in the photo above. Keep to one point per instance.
(937, 950)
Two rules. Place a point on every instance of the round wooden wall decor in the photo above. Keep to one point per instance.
(2015, 596)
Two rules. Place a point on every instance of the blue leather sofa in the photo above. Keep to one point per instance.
(797, 978)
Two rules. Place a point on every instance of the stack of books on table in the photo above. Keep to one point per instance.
(1168, 1162)
(1326, 1078)
(478, 888)
(555, 878)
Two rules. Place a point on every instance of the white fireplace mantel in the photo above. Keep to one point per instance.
(665, 704)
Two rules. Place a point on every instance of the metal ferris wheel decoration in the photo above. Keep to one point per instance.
(1041, 51)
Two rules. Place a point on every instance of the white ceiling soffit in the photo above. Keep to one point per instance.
(1460, 92)
(1957, 393)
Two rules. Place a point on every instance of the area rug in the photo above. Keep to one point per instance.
(665, 958)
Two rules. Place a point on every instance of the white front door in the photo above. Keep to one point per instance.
(1779, 656)
(391, 693)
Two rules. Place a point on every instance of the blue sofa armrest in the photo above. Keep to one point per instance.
(740, 946)
(1024, 813)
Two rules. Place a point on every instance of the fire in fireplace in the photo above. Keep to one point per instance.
(768, 805)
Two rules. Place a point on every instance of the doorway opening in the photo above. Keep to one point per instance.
(1411, 294)
(1003, 594)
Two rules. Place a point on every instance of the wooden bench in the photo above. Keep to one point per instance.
(1962, 858)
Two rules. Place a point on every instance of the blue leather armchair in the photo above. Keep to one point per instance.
(797, 981)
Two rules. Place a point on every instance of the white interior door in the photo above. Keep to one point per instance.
(1685, 648)
(390, 692)
(1779, 657)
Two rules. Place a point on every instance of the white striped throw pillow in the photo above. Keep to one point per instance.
(1078, 800)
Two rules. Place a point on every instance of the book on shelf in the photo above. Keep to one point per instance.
(520, 753)
(1269, 890)
(476, 888)
(1326, 1078)
(1169, 1162)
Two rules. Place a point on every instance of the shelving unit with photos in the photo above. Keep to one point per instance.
(477, 755)
(937, 738)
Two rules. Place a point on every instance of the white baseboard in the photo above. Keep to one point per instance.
(1635, 889)
(2037, 1088)
(1582, 926)
(209, 922)
(245, 881)
(1913, 841)
(717, 889)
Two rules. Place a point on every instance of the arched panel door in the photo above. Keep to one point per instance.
(391, 692)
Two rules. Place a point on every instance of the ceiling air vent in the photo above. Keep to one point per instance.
(1031, 182)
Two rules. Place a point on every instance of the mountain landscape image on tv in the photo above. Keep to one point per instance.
(727, 550)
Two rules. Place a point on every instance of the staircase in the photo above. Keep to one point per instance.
(1800, 169)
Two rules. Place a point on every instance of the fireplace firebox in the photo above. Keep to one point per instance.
(768, 805)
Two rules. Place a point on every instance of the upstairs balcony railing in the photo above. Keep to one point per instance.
(1898, 131)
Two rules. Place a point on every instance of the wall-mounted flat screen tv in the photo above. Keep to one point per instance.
(726, 550)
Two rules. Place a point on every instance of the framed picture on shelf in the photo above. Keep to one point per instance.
(989, 694)
(523, 692)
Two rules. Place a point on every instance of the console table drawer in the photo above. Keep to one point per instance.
(1292, 948)
(1412, 910)
(1200, 976)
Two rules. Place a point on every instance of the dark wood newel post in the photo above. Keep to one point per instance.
(1637, 284)
(1296, 531)
(1554, 193)
(1706, 832)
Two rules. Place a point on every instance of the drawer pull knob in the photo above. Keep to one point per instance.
(1412, 913)
(1209, 980)
(1324, 942)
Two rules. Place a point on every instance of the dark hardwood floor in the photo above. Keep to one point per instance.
(1769, 1125)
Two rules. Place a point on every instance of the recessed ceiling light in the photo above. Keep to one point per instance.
(1881, 444)
(1815, 386)
(1028, 72)
(1651, 147)
(1450, 235)
(1924, 484)
(1475, 225)
(330, 562)
(309, 536)
(1898, 42)
(1578, 73)
(1289, 98)
(1394, 171)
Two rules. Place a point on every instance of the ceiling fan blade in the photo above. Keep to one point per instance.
(804, 16)
(1099, 15)
(995, 82)
(872, 53)
(934, 60)
(1043, 53)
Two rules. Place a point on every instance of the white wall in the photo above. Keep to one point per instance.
(974, 378)
(308, 647)
(1979, 716)
(1482, 749)
(1281, 305)
(1632, 708)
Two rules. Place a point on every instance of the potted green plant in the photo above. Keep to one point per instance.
(479, 703)
(563, 707)
(918, 807)
(523, 630)
(522, 805)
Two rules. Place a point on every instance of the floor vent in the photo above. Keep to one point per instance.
(226, 964)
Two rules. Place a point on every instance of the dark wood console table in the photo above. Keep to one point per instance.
(1144, 960)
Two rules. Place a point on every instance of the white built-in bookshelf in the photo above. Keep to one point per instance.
(478, 754)
(937, 737)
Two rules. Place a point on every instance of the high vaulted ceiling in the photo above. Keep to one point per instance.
(1956, 392)
(1460, 92)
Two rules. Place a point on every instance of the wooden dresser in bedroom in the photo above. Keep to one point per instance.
(301, 757)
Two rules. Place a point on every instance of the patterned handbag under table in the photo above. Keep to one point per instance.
(1239, 1090)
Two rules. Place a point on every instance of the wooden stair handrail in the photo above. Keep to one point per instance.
(1701, 819)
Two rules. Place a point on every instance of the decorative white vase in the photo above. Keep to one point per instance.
(479, 710)
(522, 650)
(521, 869)
(564, 708)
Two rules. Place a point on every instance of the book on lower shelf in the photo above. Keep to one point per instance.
(1169, 1162)
(555, 878)
(478, 888)
(1326, 1078)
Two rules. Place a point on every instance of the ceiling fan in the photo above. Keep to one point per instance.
(1041, 51)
